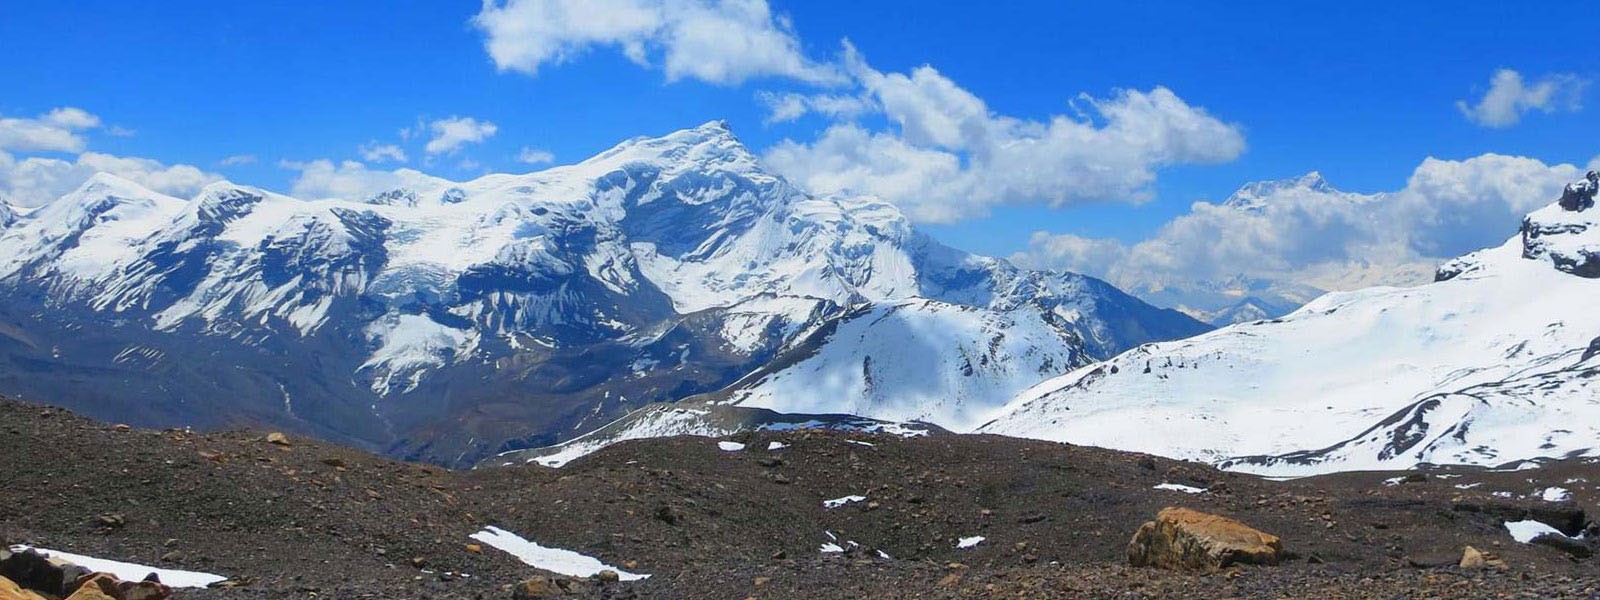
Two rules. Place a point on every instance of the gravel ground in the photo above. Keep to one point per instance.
(315, 520)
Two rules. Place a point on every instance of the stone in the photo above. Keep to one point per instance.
(31, 570)
(9, 590)
(535, 588)
(278, 439)
(1186, 539)
(99, 586)
(1575, 548)
(1472, 558)
(608, 576)
(474, 548)
(144, 590)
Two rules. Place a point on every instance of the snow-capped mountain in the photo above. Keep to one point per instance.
(1492, 363)
(446, 320)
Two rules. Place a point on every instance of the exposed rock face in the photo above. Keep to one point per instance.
(1181, 538)
(1566, 235)
(1580, 196)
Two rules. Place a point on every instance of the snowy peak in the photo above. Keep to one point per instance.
(1491, 364)
(1253, 195)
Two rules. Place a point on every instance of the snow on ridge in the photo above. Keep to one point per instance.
(1375, 379)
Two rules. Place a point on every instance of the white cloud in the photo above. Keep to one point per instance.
(237, 160)
(60, 130)
(717, 41)
(1313, 235)
(352, 180)
(534, 156)
(34, 181)
(375, 152)
(451, 134)
(791, 106)
(953, 158)
(1509, 97)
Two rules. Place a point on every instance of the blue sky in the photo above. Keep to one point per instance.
(1362, 91)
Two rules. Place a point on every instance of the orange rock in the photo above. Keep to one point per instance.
(9, 590)
(99, 586)
(1181, 538)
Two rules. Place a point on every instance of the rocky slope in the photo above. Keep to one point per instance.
(706, 519)
(447, 320)
(1491, 364)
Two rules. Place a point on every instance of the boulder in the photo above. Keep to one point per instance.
(1571, 546)
(535, 588)
(9, 590)
(1181, 538)
(100, 586)
(278, 439)
(33, 571)
(1472, 558)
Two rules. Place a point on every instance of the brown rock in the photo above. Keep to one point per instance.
(1181, 538)
(1472, 558)
(9, 590)
(99, 586)
(278, 438)
(608, 576)
(535, 588)
(474, 548)
(144, 590)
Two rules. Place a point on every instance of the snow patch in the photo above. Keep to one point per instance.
(777, 446)
(1526, 531)
(1555, 494)
(555, 560)
(1177, 487)
(838, 502)
(130, 571)
(730, 446)
(968, 542)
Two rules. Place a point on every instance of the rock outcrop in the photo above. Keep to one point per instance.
(1186, 539)
(28, 575)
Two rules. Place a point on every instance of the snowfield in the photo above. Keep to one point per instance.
(1490, 366)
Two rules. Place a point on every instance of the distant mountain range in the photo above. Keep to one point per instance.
(446, 321)
(1492, 364)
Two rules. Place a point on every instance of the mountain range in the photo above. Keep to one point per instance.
(445, 321)
(1492, 364)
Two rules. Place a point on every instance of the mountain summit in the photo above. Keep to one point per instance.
(446, 320)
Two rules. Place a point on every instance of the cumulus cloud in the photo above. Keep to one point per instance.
(352, 180)
(34, 181)
(535, 156)
(375, 152)
(449, 135)
(953, 158)
(1306, 232)
(716, 41)
(60, 130)
(1509, 97)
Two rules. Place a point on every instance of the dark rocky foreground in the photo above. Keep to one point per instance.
(308, 519)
